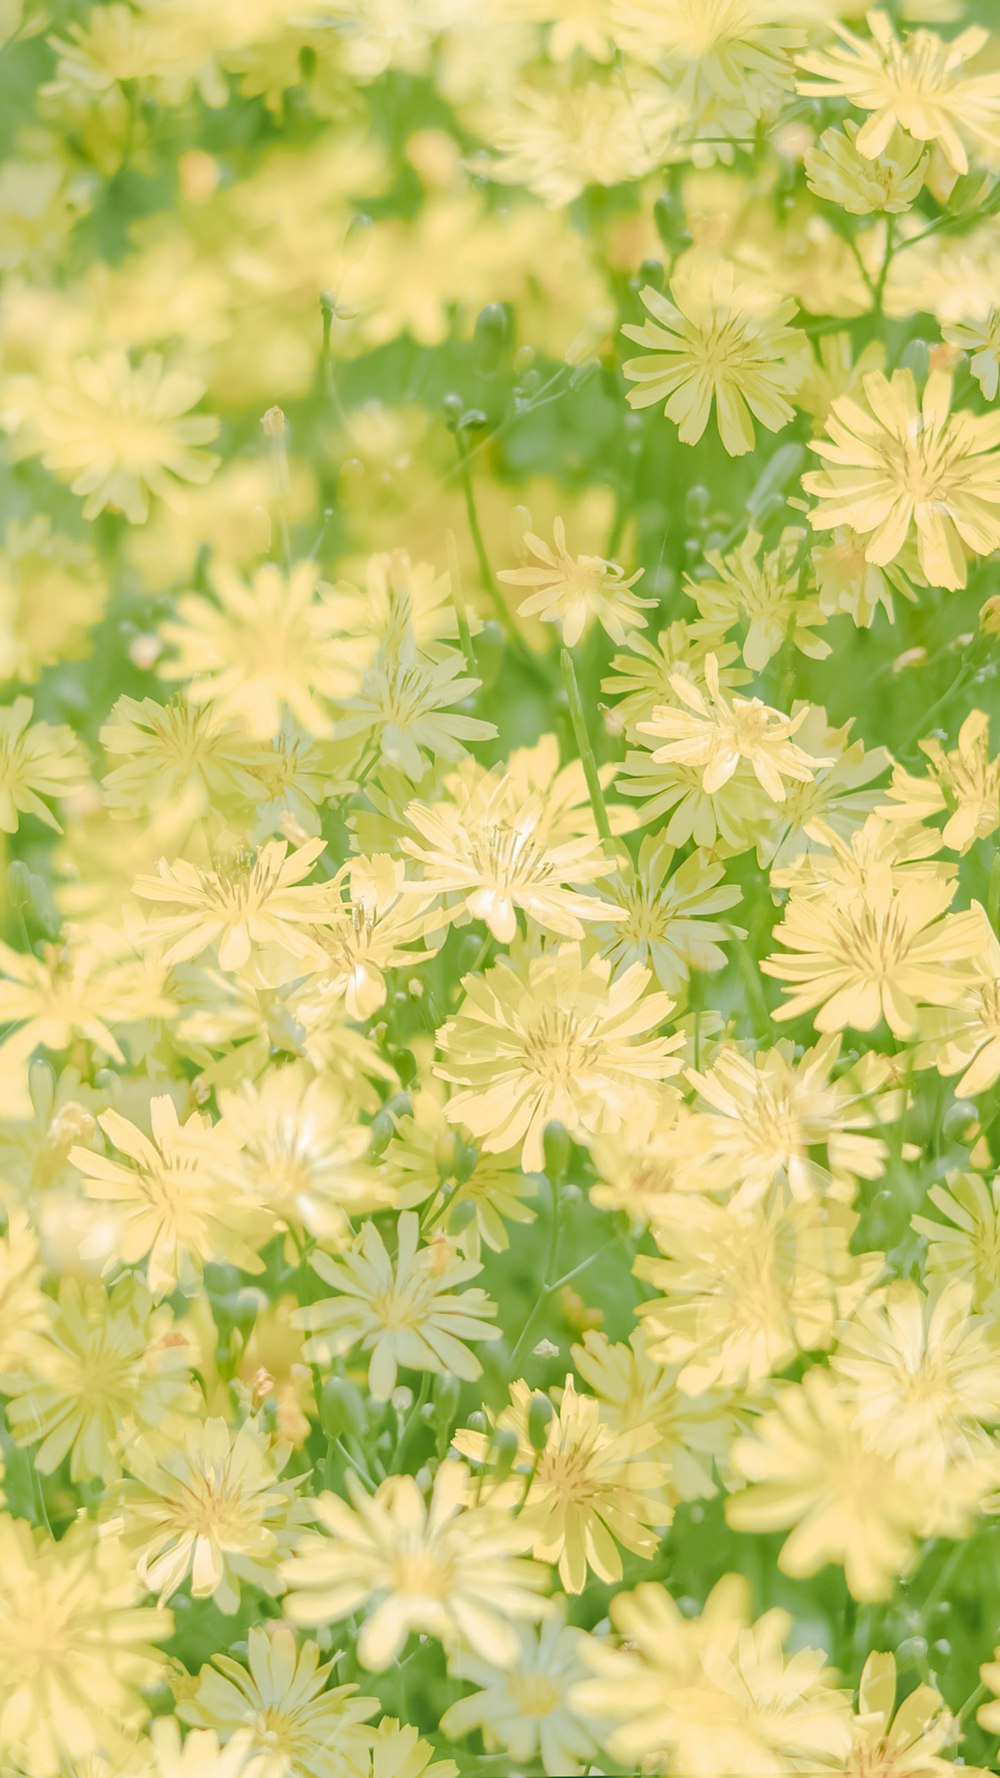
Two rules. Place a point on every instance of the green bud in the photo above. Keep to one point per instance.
(916, 358)
(503, 1451)
(463, 1215)
(405, 1064)
(492, 332)
(556, 1147)
(540, 1415)
(342, 1409)
(19, 885)
(446, 1399)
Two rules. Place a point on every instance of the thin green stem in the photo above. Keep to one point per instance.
(590, 770)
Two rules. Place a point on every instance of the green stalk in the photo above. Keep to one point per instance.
(590, 770)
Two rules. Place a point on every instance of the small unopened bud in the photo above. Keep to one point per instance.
(503, 1451)
(540, 1416)
(556, 1149)
(273, 424)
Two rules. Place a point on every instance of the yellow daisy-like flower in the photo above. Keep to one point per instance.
(903, 1743)
(495, 851)
(562, 1042)
(404, 708)
(260, 648)
(924, 1373)
(257, 900)
(525, 1709)
(177, 1200)
(52, 593)
(743, 1294)
(878, 955)
(920, 85)
(715, 1695)
(36, 760)
(764, 593)
(964, 1038)
(734, 52)
(443, 1566)
(902, 470)
(199, 1756)
(187, 754)
(397, 1751)
(204, 1505)
(570, 590)
(302, 1151)
(71, 991)
(588, 1489)
(372, 920)
(890, 182)
(716, 339)
(404, 1311)
(980, 337)
(763, 1116)
(25, 1311)
(967, 1244)
(963, 783)
(664, 918)
(77, 1644)
(296, 1725)
(108, 1364)
(810, 1470)
(716, 735)
(119, 433)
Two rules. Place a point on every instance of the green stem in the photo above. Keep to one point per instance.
(589, 762)
(993, 893)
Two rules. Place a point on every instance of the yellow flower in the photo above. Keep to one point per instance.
(24, 1310)
(588, 1490)
(397, 1751)
(178, 1200)
(203, 1505)
(988, 1716)
(964, 1038)
(76, 1644)
(653, 1153)
(371, 920)
(71, 991)
(572, 589)
(109, 1363)
(743, 1294)
(717, 735)
(425, 1156)
(404, 707)
(890, 182)
(260, 648)
(52, 593)
(178, 752)
(119, 433)
(200, 1756)
(302, 1151)
(737, 52)
(919, 85)
(924, 1374)
(296, 1725)
(717, 340)
(562, 1042)
(495, 850)
(692, 1431)
(641, 678)
(405, 1311)
(36, 760)
(810, 1471)
(715, 1695)
(967, 1244)
(964, 784)
(836, 798)
(525, 1709)
(443, 1566)
(980, 337)
(558, 140)
(847, 582)
(665, 918)
(903, 1743)
(765, 595)
(874, 955)
(762, 1117)
(901, 470)
(255, 900)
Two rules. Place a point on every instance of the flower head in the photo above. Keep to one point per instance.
(404, 1311)
(899, 470)
(572, 589)
(716, 339)
(443, 1566)
(37, 760)
(257, 899)
(562, 1042)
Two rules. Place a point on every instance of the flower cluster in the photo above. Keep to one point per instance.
(500, 852)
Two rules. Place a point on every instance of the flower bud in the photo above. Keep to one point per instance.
(540, 1416)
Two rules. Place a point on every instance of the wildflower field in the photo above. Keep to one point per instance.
(500, 850)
